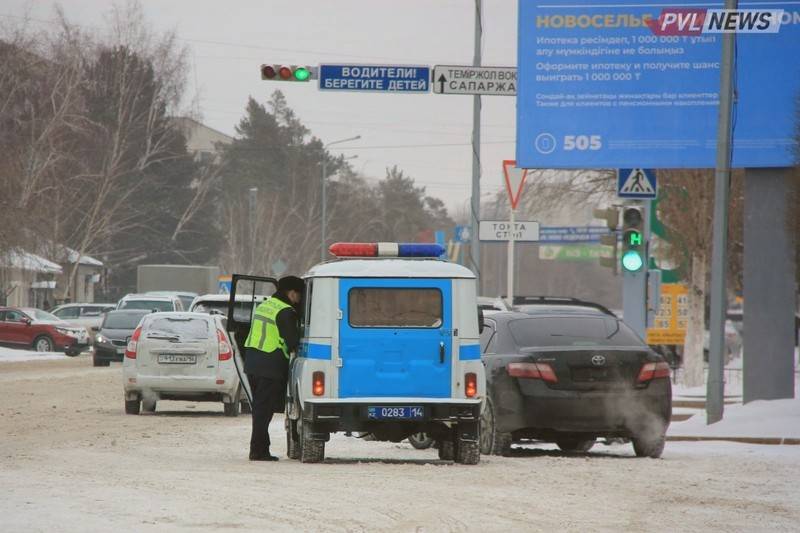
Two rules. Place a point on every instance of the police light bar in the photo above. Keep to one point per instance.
(386, 249)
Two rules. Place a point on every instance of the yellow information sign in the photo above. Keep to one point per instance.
(670, 320)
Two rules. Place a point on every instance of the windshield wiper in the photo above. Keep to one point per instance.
(164, 336)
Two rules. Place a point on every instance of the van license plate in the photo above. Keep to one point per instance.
(177, 358)
(401, 413)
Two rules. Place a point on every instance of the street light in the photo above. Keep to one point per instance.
(324, 191)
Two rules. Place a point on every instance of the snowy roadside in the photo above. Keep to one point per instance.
(12, 355)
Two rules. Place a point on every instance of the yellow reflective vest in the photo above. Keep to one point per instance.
(264, 334)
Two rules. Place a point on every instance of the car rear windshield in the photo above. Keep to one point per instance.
(395, 308)
(159, 305)
(122, 320)
(184, 328)
(572, 331)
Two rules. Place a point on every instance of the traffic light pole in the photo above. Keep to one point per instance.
(719, 300)
(475, 208)
(634, 283)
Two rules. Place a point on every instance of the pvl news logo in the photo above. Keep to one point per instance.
(693, 21)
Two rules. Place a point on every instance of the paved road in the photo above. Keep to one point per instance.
(70, 460)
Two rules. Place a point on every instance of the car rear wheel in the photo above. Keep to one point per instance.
(575, 445)
(492, 442)
(132, 407)
(149, 406)
(649, 446)
(43, 343)
(294, 447)
(311, 451)
(233, 408)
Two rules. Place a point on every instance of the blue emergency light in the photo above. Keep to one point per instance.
(386, 249)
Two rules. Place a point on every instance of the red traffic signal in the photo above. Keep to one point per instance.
(286, 72)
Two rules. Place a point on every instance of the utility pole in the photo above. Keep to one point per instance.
(251, 227)
(322, 250)
(475, 210)
(715, 388)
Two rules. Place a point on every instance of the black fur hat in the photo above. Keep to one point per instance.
(290, 283)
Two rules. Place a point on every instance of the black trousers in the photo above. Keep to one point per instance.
(268, 396)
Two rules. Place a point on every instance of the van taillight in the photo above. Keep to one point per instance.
(541, 371)
(225, 352)
(318, 383)
(652, 371)
(130, 350)
(471, 384)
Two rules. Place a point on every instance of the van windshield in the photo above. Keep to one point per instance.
(395, 308)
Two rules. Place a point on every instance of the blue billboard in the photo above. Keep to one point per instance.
(628, 84)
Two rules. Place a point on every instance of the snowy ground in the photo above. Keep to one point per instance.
(8, 355)
(70, 460)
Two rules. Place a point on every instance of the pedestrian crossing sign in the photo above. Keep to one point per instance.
(637, 183)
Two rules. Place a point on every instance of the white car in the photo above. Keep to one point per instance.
(151, 302)
(180, 356)
(79, 315)
(185, 297)
(218, 303)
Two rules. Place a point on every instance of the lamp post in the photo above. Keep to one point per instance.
(324, 192)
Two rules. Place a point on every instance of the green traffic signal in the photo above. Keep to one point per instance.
(301, 74)
(632, 261)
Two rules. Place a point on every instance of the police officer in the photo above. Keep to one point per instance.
(274, 334)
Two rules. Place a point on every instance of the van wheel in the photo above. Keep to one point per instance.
(233, 407)
(492, 442)
(149, 406)
(447, 450)
(294, 448)
(43, 343)
(575, 445)
(132, 407)
(420, 440)
(468, 452)
(311, 451)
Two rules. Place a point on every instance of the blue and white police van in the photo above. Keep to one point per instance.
(390, 348)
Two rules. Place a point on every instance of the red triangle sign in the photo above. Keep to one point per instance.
(515, 179)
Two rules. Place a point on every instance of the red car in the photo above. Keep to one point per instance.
(25, 327)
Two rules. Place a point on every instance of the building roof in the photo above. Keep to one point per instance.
(389, 268)
(23, 260)
(72, 256)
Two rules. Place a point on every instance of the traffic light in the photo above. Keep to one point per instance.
(611, 217)
(633, 246)
(286, 72)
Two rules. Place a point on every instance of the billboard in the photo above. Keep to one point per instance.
(628, 84)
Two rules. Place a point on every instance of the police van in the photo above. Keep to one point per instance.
(390, 348)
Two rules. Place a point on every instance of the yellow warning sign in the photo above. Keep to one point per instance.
(670, 321)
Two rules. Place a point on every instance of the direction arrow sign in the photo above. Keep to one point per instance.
(375, 78)
(515, 179)
(455, 79)
(637, 183)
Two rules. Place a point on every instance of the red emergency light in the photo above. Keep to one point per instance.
(386, 249)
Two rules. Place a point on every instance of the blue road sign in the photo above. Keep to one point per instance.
(462, 234)
(571, 234)
(612, 84)
(375, 78)
(637, 183)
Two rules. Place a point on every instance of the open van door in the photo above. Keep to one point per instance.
(246, 293)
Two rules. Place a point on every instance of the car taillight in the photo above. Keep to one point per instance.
(225, 352)
(471, 384)
(652, 371)
(130, 350)
(318, 383)
(541, 371)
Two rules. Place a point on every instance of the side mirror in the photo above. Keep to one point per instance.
(481, 323)
(27, 321)
(94, 329)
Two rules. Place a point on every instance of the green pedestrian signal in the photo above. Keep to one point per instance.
(633, 246)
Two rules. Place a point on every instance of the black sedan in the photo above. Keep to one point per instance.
(114, 333)
(570, 378)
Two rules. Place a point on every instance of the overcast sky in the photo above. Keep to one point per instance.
(427, 135)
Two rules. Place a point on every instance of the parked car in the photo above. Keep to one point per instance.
(218, 304)
(184, 296)
(83, 315)
(111, 338)
(180, 356)
(489, 304)
(33, 328)
(571, 378)
(151, 302)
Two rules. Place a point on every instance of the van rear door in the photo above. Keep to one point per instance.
(395, 338)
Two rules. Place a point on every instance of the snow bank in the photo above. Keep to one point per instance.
(759, 419)
(8, 355)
